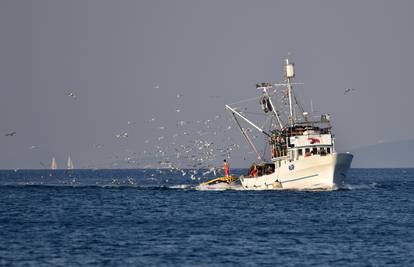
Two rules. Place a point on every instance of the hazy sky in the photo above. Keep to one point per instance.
(128, 60)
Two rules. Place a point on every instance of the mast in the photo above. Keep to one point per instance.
(290, 74)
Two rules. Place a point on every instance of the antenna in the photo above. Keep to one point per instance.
(290, 74)
(311, 106)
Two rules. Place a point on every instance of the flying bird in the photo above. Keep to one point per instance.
(10, 134)
(121, 135)
(348, 90)
(71, 94)
(97, 146)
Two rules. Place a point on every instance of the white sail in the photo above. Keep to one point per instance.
(70, 164)
(53, 165)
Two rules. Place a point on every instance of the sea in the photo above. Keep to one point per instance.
(157, 217)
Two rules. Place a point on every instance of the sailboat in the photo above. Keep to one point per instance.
(302, 148)
(53, 165)
(70, 164)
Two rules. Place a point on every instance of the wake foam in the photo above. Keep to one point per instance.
(219, 187)
(358, 186)
(181, 186)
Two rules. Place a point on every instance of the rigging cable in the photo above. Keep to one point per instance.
(243, 101)
(249, 141)
(266, 143)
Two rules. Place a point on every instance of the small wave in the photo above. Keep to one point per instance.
(181, 186)
(100, 186)
(217, 187)
(358, 186)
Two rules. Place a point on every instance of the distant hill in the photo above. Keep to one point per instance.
(398, 154)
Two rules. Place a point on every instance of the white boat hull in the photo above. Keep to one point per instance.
(308, 173)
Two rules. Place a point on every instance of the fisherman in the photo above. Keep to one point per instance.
(273, 150)
(278, 146)
(226, 168)
(253, 171)
(269, 169)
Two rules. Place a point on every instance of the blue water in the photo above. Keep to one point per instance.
(156, 217)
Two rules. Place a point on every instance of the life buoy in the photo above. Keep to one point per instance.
(314, 140)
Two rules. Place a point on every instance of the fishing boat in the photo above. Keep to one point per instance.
(225, 179)
(302, 154)
(53, 165)
(220, 183)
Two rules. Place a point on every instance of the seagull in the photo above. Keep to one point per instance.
(156, 87)
(349, 90)
(123, 135)
(98, 146)
(33, 147)
(10, 134)
(71, 94)
(181, 123)
(179, 95)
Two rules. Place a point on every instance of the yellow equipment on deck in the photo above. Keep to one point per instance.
(228, 180)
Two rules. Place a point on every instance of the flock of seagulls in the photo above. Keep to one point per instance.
(193, 147)
(189, 147)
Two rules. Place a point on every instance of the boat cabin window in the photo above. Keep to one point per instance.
(269, 169)
(299, 152)
(307, 152)
(322, 151)
(261, 169)
(314, 150)
(328, 150)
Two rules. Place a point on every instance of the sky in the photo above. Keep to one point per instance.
(140, 67)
